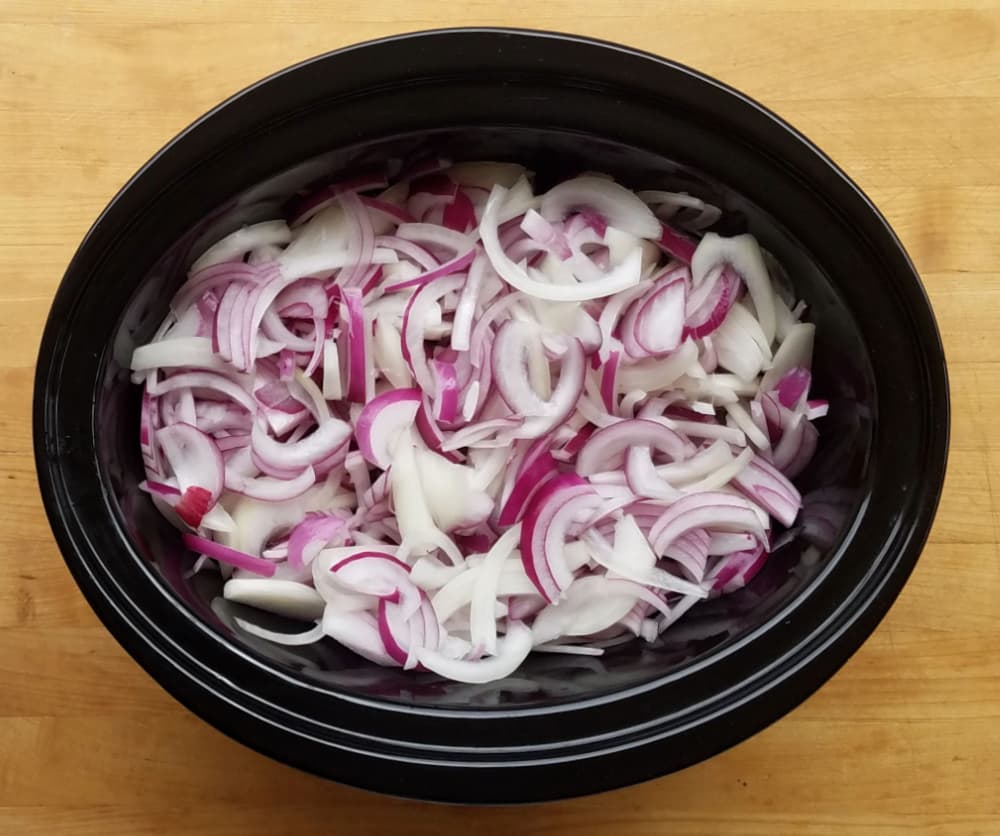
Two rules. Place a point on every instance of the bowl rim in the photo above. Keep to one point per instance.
(802, 670)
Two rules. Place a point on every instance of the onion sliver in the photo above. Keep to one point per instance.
(543, 535)
(712, 510)
(743, 254)
(622, 277)
(382, 420)
(224, 554)
(287, 598)
(512, 650)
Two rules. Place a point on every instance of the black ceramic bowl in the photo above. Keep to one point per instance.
(560, 726)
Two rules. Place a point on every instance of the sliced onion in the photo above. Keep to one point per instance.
(237, 244)
(356, 346)
(382, 420)
(626, 275)
(592, 604)
(420, 534)
(323, 442)
(482, 620)
(607, 444)
(193, 458)
(771, 490)
(512, 650)
(457, 593)
(178, 351)
(528, 482)
(616, 205)
(544, 233)
(510, 371)
(744, 255)
(736, 348)
(281, 597)
(204, 380)
(675, 244)
(403, 379)
(668, 204)
(633, 559)
(712, 510)
(414, 317)
(655, 323)
(359, 632)
(269, 488)
(795, 351)
(736, 570)
(314, 533)
(310, 636)
(642, 477)
(453, 499)
(659, 373)
(690, 551)
(380, 575)
(560, 503)
(793, 387)
(232, 557)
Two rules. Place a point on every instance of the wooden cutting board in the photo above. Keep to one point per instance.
(905, 739)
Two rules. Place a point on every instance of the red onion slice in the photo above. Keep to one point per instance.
(232, 557)
(771, 489)
(356, 346)
(604, 447)
(446, 392)
(359, 632)
(712, 510)
(315, 532)
(658, 324)
(795, 351)
(414, 319)
(197, 464)
(743, 254)
(205, 380)
(455, 265)
(793, 387)
(323, 442)
(528, 482)
(176, 352)
(592, 604)
(381, 576)
(460, 214)
(305, 207)
(382, 420)
(559, 504)
(616, 205)
(271, 489)
(723, 288)
(736, 570)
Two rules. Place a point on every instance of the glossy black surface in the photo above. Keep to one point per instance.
(561, 105)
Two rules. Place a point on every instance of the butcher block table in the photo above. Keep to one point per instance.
(905, 739)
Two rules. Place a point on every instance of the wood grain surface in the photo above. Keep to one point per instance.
(904, 94)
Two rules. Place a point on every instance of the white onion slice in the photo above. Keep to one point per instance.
(281, 597)
(238, 243)
(512, 650)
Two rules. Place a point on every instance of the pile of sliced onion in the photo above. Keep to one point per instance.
(448, 421)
